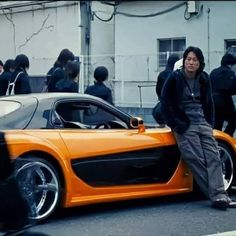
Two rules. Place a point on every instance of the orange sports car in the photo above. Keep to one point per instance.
(73, 149)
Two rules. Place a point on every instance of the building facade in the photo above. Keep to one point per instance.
(133, 39)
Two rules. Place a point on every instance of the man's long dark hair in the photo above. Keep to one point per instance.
(198, 52)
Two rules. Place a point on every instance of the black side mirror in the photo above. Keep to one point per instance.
(137, 123)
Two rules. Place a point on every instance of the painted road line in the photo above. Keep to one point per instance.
(229, 233)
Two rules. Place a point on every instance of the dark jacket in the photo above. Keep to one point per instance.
(5, 78)
(66, 85)
(163, 75)
(6, 168)
(99, 89)
(223, 82)
(55, 74)
(171, 99)
(22, 85)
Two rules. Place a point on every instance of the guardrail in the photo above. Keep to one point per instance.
(140, 93)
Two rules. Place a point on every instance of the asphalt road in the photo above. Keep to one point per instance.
(180, 215)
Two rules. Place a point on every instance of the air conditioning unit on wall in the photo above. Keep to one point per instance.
(192, 7)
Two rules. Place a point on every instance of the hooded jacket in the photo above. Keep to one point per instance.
(171, 100)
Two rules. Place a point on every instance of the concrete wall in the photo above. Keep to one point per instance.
(40, 31)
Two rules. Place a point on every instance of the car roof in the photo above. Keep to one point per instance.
(43, 96)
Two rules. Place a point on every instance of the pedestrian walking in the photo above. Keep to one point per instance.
(161, 78)
(69, 84)
(187, 105)
(19, 83)
(5, 77)
(57, 72)
(224, 87)
(99, 89)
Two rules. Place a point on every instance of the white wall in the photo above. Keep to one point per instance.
(40, 33)
(136, 42)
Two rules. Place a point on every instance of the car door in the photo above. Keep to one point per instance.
(103, 155)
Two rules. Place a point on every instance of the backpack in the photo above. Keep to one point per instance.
(11, 86)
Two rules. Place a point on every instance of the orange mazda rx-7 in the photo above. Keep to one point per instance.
(75, 149)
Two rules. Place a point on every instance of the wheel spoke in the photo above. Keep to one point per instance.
(46, 187)
(227, 166)
(41, 174)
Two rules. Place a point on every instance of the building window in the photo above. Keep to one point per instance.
(230, 46)
(166, 47)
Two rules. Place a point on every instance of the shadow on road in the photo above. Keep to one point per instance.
(103, 208)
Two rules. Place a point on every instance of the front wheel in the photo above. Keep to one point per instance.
(227, 165)
(40, 185)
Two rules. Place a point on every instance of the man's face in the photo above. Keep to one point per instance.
(191, 63)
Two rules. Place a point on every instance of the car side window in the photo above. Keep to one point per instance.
(95, 115)
(86, 115)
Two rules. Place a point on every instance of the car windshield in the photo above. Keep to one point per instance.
(8, 107)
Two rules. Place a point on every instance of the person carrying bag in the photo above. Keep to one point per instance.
(11, 86)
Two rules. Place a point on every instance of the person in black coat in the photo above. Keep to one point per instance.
(224, 86)
(5, 77)
(163, 75)
(69, 84)
(57, 72)
(99, 89)
(22, 84)
(161, 78)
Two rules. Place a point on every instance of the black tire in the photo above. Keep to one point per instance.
(227, 165)
(40, 185)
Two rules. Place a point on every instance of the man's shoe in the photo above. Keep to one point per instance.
(231, 203)
(221, 204)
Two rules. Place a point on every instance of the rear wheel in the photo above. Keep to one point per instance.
(40, 185)
(227, 165)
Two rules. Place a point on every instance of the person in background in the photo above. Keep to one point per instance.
(161, 78)
(1, 67)
(99, 89)
(69, 84)
(5, 77)
(187, 104)
(22, 84)
(224, 86)
(163, 75)
(57, 72)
